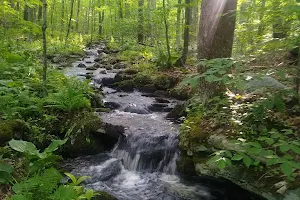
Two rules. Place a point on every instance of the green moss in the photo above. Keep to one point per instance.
(12, 129)
(142, 80)
(164, 82)
(126, 86)
(104, 196)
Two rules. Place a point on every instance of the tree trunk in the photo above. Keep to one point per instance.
(62, 16)
(77, 15)
(140, 21)
(52, 14)
(40, 12)
(215, 39)
(69, 24)
(44, 27)
(178, 27)
(216, 30)
(186, 31)
(167, 32)
(261, 18)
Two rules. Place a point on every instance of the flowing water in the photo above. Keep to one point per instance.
(142, 166)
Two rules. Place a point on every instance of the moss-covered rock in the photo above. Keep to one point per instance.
(101, 195)
(85, 141)
(186, 165)
(96, 100)
(126, 86)
(143, 81)
(17, 129)
(164, 82)
(177, 112)
(180, 93)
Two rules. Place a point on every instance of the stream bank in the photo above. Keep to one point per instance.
(143, 163)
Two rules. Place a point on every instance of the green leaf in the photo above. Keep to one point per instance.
(5, 177)
(54, 145)
(64, 193)
(286, 169)
(221, 164)
(284, 148)
(295, 148)
(237, 157)
(81, 179)
(72, 177)
(89, 194)
(272, 161)
(6, 168)
(247, 161)
(254, 151)
(23, 147)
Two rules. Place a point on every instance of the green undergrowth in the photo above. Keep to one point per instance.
(39, 121)
(259, 131)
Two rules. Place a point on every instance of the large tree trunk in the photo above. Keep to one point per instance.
(140, 22)
(215, 39)
(216, 30)
(186, 36)
(44, 27)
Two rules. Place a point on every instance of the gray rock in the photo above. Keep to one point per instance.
(132, 108)
(265, 82)
(81, 65)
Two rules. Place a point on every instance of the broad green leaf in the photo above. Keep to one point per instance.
(247, 161)
(295, 148)
(55, 144)
(254, 150)
(286, 169)
(23, 147)
(237, 157)
(81, 179)
(6, 168)
(72, 177)
(284, 148)
(221, 164)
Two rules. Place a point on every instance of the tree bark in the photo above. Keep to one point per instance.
(62, 16)
(178, 23)
(215, 39)
(69, 24)
(140, 22)
(216, 30)
(44, 28)
(261, 18)
(186, 36)
(166, 32)
(77, 15)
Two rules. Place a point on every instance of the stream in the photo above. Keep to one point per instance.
(142, 165)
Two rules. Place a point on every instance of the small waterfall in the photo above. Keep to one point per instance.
(148, 154)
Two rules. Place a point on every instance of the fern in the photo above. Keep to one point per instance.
(64, 193)
(39, 186)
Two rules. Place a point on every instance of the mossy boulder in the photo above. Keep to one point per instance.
(127, 74)
(186, 165)
(85, 141)
(101, 195)
(164, 82)
(143, 82)
(96, 100)
(125, 86)
(180, 93)
(177, 112)
(17, 129)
